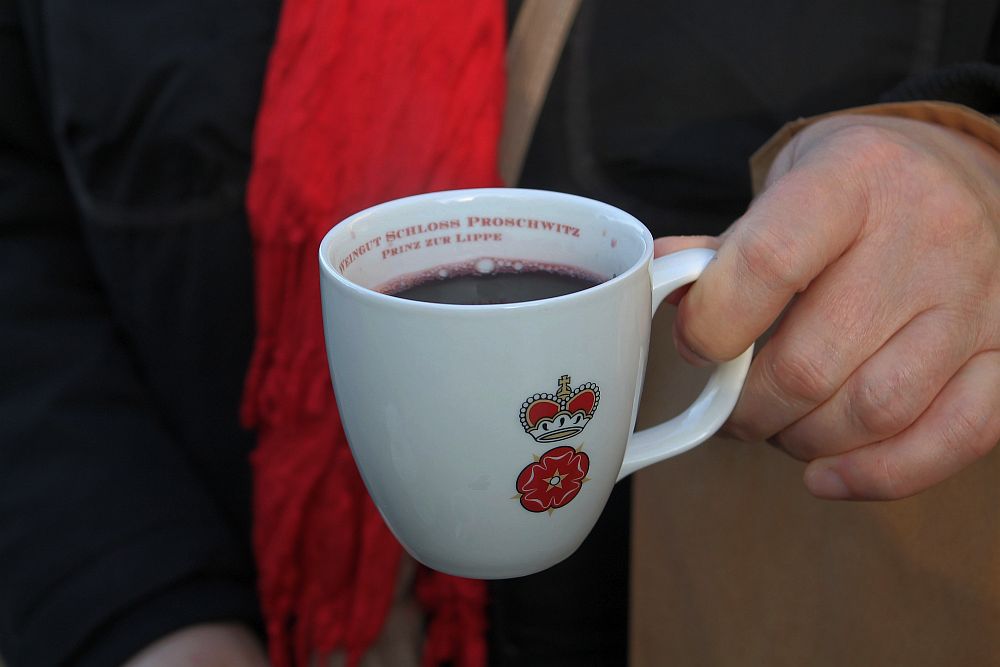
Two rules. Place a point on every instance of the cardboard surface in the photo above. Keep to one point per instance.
(734, 563)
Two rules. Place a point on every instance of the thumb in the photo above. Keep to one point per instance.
(791, 233)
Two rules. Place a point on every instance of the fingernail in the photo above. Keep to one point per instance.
(689, 355)
(826, 483)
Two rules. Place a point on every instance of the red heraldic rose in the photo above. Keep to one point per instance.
(553, 480)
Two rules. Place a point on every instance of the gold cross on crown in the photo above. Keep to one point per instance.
(564, 390)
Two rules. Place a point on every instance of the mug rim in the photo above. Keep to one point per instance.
(328, 271)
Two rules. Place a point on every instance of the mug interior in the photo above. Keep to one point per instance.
(395, 245)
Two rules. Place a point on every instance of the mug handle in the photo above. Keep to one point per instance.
(712, 407)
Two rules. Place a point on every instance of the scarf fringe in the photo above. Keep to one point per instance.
(363, 102)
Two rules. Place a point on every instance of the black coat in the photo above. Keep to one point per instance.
(126, 286)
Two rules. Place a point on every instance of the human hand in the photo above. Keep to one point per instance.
(877, 244)
(215, 644)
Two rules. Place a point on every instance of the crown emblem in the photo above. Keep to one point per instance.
(551, 417)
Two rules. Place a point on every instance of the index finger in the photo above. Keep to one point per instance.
(794, 230)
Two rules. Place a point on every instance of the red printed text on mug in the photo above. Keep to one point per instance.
(471, 229)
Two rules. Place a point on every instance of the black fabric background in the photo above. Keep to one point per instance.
(125, 322)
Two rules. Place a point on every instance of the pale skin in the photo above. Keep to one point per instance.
(205, 645)
(875, 249)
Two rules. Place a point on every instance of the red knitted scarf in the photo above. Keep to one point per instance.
(364, 101)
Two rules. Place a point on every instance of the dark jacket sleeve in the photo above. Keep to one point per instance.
(976, 85)
(124, 496)
(969, 68)
(108, 539)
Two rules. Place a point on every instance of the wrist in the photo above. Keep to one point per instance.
(946, 114)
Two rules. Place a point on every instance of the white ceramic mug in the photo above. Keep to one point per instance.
(490, 436)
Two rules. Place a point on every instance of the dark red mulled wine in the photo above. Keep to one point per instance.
(498, 287)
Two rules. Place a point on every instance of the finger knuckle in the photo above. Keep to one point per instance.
(897, 173)
(769, 258)
(873, 146)
(878, 161)
(802, 375)
(952, 218)
(882, 405)
(952, 204)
